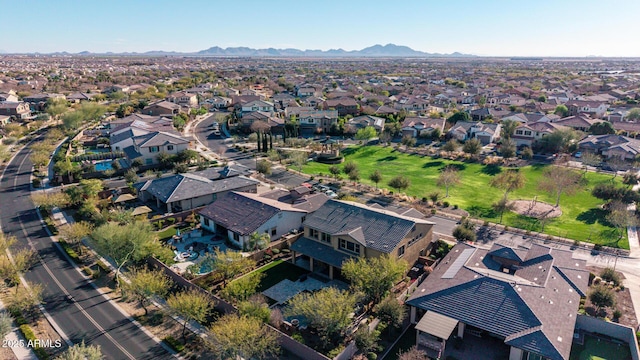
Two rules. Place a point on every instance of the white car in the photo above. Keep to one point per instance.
(331, 194)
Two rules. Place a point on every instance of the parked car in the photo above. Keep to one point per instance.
(331, 194)
(578, 154)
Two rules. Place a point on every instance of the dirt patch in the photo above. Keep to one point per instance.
(536, 209)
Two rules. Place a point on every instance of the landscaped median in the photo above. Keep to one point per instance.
(582, 217)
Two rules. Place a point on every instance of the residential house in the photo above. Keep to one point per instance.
(183, 98)
(38, 102)
(344, 106)
(162, 108)
(8, 97)
(17, 110)
(282, 99)
(361, 122)
(79, 96)
(182, 192)
(610, 146)
(4, 120)
(318, 120)
(486, 133)
(144, 144)
(237, 215)
(219, 102)
(528, 298)
(147, 122)
(413, 103)
(421, 126)
(305, 90)
(596, 109)
(257, 105)
(117, 88)
(527, 118)
(530, 133)
(342, 230)
(581, 122)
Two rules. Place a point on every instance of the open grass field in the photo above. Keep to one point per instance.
(581, 218)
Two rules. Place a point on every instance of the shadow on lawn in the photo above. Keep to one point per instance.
(482, 212)
(431, 164)
(387, 158)
(592, 216)
(457, 167)
(491, 169)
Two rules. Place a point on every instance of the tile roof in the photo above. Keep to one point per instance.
(533, 304)
(187, 186)
(381, 230)
(320, 251)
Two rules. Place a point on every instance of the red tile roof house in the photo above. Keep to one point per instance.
(526, 298)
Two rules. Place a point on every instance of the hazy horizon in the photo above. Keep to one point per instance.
(546, 28)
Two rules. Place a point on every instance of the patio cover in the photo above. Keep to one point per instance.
(141, 210)
(437, 325)
(124, 197)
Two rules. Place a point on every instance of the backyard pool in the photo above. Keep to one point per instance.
(103, 165)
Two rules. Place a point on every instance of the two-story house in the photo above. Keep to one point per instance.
(596, 109)
(344, 106)
(162, 108)
(143, 144)
(17, 110)
(237, 215)
(183, 98)
(341, 230)
(317, 120)
(421, 126)
(257, 105)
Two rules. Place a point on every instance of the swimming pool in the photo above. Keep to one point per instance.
(103, 165)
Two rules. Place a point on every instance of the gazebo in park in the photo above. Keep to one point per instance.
(330, 151)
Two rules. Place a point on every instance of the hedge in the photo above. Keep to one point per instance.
(103, 267)
(173, 343)
(40, 352)
(17, 316)
(98, 156)
(72, 253)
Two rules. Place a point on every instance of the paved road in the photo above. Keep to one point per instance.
(90, 317)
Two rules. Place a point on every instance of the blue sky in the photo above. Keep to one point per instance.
(489, 27)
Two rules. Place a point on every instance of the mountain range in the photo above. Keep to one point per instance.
(389, 50)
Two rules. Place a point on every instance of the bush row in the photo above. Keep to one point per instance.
(72, 253)
(98, 156)
(173, 343)
(40, 352)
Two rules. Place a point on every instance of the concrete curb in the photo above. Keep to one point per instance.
(14, 340)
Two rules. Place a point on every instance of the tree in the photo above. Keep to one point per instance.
(354, 175)
(190, 305)
(563, 140)
(49, 200)
(349, 166)
(508, 148)
(413, 354)
(64, 167)
(448, 177)
(451, 146)
(472, 146)
(73, 233)
(400, 182)
(630, 178)
(234, 337)
(374, 276)
(328, 311)
(408, 141)
(610, 192)
(335, 171)
(91, 187)
(458, 116)
(508, 181)
(466, 231)
(561, 110)
(508, 128)
(602, 128)
(620, 217)
(82, 351)
(367, 340)
(391, 312)
(589, 159)
(376, 177)
(264, 167)
(39, 159)
(527, 153)
(610, 275)
(601, 297)
(633, 114)
(241, 289)
(366, 133)
(144, 284)
(26, 298)
(299, 158)
(501, 206)
(72, 120)
(125, 243)
(130, 177)
(187, 156)
(558, 180)
(230, 263)
(256, 306)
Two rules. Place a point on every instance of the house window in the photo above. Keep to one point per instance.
(206, 222)
(349, 246)
(273, 231)
(313, 233)
(325, 238)
(169, 147)
(153, 149)
(528, 133)
(401, 251)
(236, 237)
(518, 132)
(148, 161)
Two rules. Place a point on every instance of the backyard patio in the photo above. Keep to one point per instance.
(192, 246)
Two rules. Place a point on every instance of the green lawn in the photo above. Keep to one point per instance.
(599, 350)
(167, 233)
(581, 219)
(277, 271)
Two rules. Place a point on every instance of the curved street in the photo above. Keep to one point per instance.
(91, 316)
